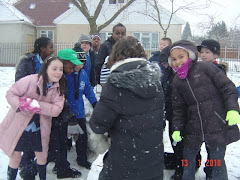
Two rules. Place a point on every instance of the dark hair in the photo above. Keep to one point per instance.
(43, 73)
(167, 39)
(40, 42)
(118, 25)
(127, 47)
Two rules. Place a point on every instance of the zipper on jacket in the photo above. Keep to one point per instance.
(197, 109)
(224, 121)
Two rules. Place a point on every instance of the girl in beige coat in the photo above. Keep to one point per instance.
(34, 100)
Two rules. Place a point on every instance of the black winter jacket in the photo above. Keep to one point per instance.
(200, 103)
(104, 51)
(131, 109)
(26, 66)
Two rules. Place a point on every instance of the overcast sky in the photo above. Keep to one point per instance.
(226, 10)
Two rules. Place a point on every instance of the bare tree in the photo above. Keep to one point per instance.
(92, 19)
(155, 11)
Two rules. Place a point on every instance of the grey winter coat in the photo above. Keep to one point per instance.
(131, 110)
(200, 103)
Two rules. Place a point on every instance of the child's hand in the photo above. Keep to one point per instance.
(176, 136)
(27, 104)
(232, 117)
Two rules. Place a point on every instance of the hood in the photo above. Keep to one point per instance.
(137, 75)
(187, 46)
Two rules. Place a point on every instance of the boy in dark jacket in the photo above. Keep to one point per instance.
(84, 44)
(119, 31)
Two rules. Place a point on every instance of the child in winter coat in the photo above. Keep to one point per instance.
(78, 85)
(58, 138)
(84, 43)
(34, 100)
(136, 150)
(205, 109)
(118, 32)
(31, 63)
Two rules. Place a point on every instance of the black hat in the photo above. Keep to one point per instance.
(211, 44)
(187, 46)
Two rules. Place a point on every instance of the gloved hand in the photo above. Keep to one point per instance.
(27, 104)
(176, 136)
(75, 129)
(233, 117)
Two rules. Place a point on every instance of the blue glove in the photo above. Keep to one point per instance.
(232, 117)
(176, 136)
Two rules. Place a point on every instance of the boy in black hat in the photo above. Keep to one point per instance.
(210, 51)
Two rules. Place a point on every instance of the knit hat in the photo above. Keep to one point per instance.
(70, 55)
(93, 35)
(211, 44)
(187, 46)
(81, 54)
(84, 38)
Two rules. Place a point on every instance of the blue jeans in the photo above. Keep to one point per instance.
(217, 162)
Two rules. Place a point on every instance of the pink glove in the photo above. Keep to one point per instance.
(25, 105)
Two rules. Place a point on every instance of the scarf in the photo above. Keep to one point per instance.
(182, 72)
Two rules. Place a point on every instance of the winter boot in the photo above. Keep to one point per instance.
(11, 173)
(42, 170)
(69, 173)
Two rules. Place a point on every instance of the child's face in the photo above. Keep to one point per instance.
(78, 68)
(96, 41)
(163, 44)
(55, 71)
(179, 57)
(68, 67)
(119, 32)
(47, 51)
(85, 46)
(207, 55)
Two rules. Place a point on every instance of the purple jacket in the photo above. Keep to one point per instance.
(15, 122)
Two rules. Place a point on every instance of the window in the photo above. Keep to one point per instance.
(32, 6)
(104, 36)
(112, 1)
(47, 33)
(148, 40)
(115, 1)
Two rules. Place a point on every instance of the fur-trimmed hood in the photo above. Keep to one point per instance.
(137, 75)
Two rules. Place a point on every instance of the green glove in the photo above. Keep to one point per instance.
(176, 136)
(232, 117)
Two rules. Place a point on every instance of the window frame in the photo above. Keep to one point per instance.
(47, 34)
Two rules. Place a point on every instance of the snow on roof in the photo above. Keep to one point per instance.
(9, 13)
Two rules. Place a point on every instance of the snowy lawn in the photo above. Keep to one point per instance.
(232, 154)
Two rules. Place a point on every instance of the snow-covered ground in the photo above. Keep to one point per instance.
(232, 154)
